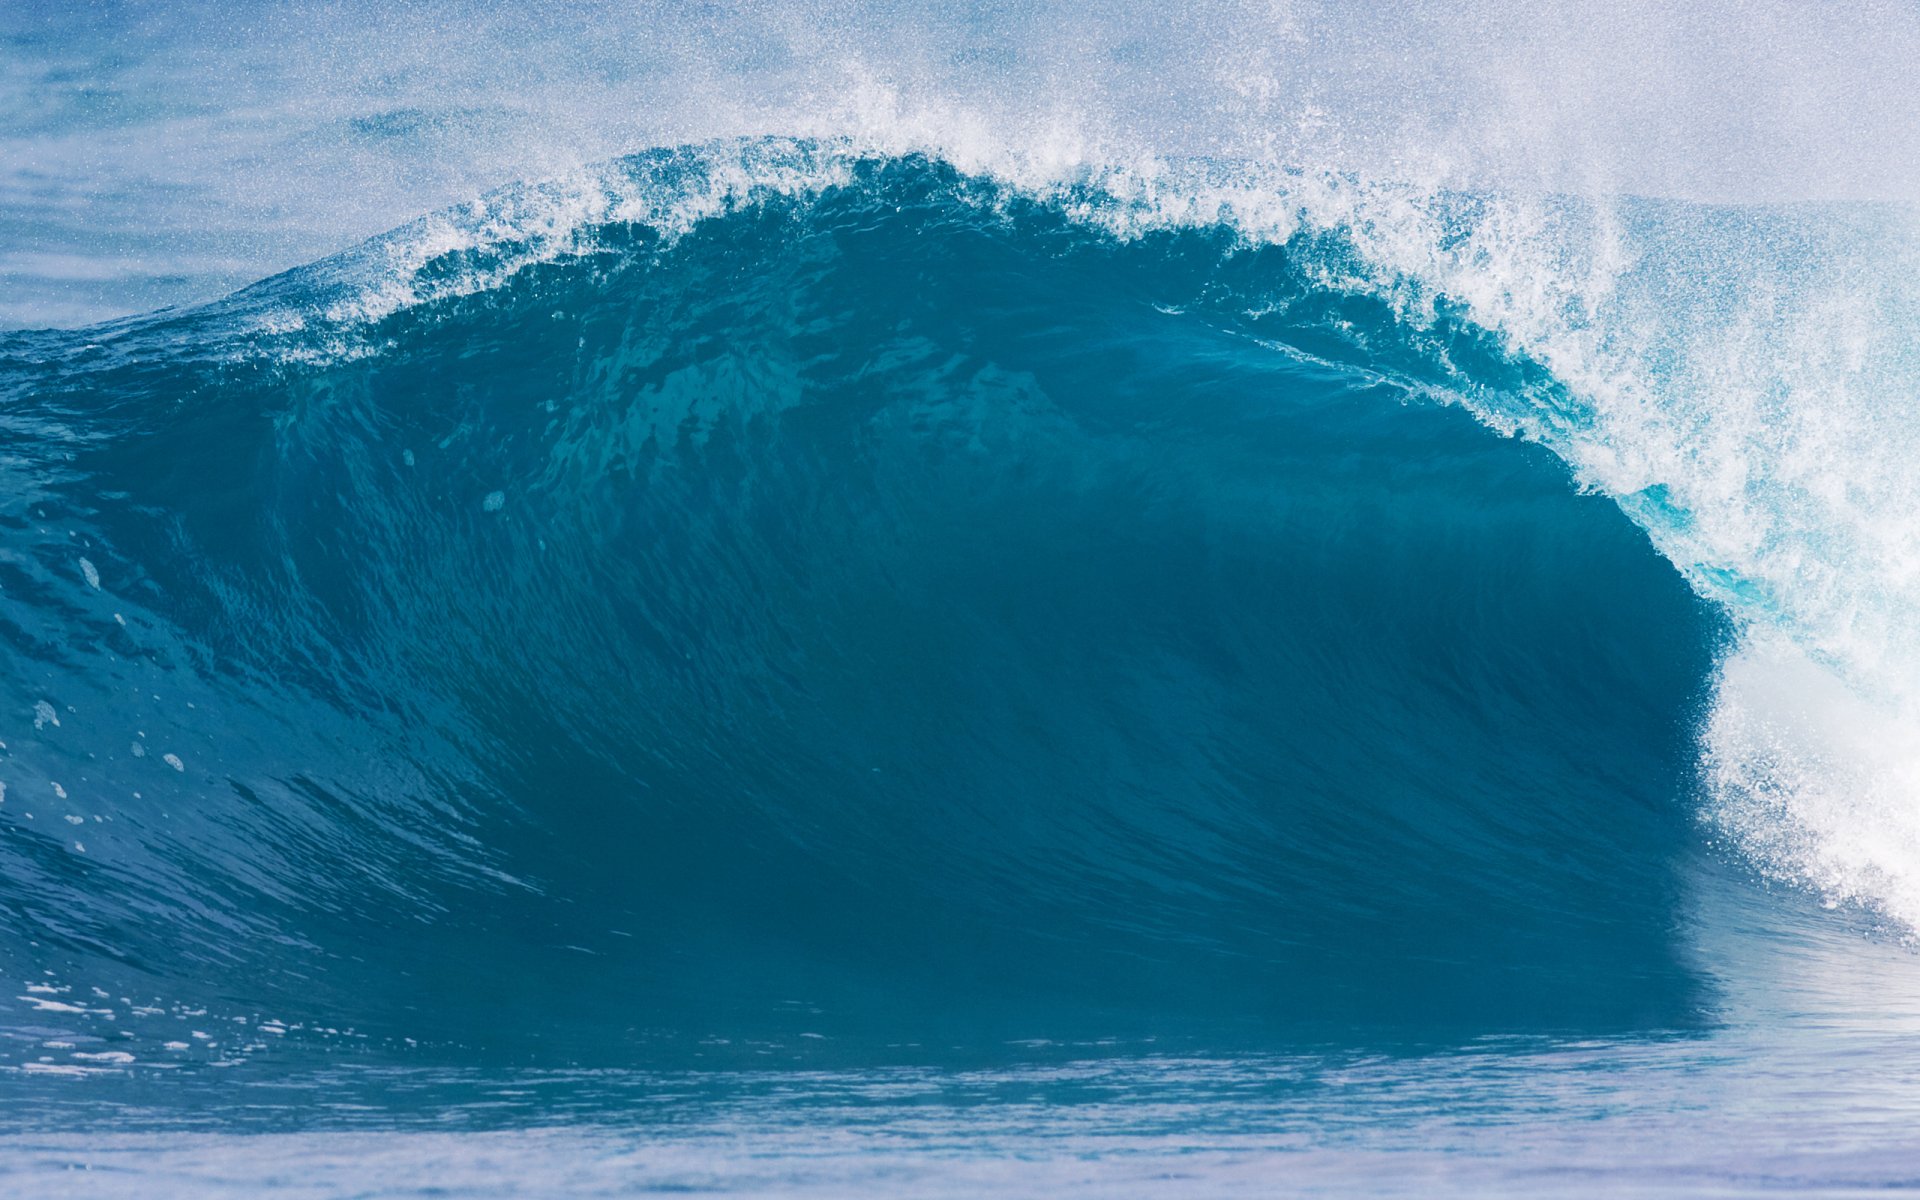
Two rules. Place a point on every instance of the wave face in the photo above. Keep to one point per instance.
(840, 594)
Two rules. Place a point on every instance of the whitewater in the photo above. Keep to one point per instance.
(602, 600)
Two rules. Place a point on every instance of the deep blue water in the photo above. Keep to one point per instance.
(786, 666)
(867, 599)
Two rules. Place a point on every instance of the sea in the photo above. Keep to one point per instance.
(605, 599)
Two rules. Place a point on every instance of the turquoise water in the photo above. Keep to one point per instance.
(847, 664)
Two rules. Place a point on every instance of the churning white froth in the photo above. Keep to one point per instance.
(1818, 782)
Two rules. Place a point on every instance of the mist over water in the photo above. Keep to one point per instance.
(167, 152)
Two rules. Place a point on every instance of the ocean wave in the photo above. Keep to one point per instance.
(794, 585)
